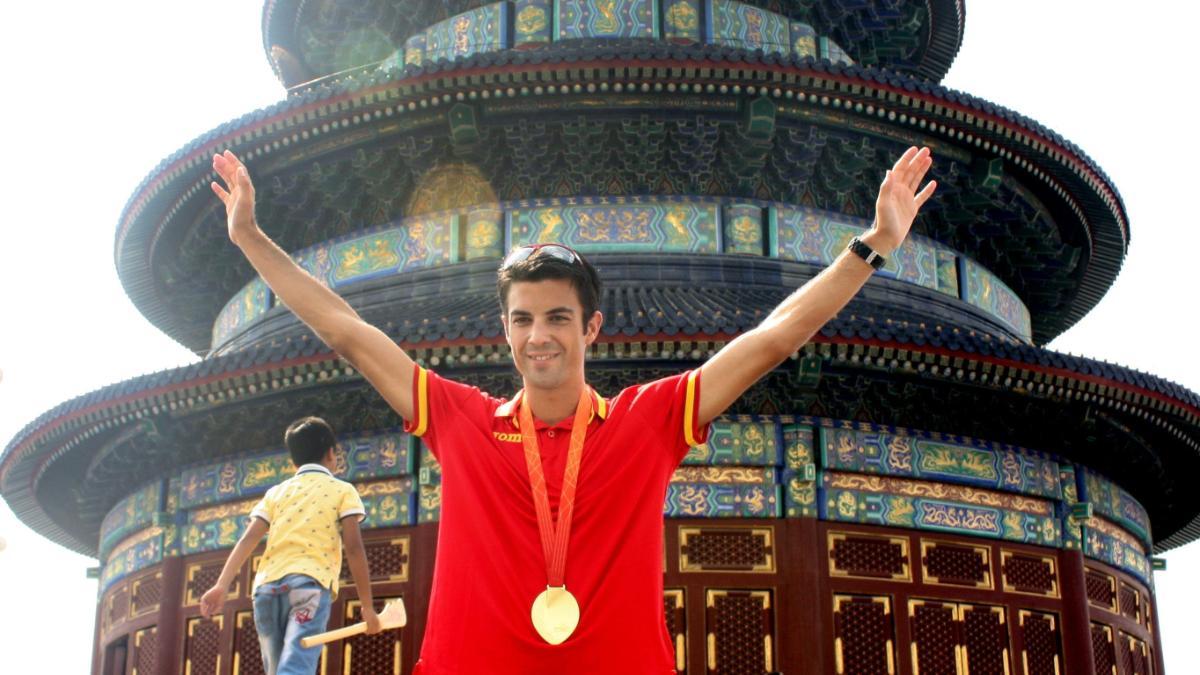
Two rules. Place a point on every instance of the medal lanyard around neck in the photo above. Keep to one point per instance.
(554, 539)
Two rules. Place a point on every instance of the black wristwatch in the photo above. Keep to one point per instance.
(867, 253)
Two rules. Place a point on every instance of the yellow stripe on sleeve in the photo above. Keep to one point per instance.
(422, 402)
(689, 410)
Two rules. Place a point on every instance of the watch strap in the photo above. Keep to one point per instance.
(868, 254)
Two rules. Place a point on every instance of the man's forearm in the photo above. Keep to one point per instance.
(795, 320)
(324, 311)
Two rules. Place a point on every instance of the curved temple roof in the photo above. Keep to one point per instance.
(1150, 427)
(988, 144)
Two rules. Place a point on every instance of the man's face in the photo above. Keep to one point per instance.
(546, 332)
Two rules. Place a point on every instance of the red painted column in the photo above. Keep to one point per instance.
(170, 623)
(1076, 624)
(800, 611)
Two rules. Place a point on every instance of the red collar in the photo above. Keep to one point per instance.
(510, 409)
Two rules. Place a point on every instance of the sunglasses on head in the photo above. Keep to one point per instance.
(528, 251)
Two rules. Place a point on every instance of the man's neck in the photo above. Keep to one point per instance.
(552, 406)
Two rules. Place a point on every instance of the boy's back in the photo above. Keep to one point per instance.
(303, 514)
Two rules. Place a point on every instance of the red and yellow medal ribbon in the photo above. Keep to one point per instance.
(554, 538)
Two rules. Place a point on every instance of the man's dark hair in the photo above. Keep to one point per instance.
(308, 439)
(581, 274)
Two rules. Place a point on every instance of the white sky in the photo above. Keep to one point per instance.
(99, 93)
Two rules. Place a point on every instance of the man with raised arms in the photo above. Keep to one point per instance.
(549, 554)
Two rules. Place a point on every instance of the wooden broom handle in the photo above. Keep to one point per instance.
(335, 634)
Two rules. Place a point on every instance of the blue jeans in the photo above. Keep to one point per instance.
(286, 610)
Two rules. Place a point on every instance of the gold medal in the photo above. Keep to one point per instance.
(555, 614)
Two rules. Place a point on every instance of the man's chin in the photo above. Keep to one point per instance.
(542, 379)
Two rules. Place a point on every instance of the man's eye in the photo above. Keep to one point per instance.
(558, 318)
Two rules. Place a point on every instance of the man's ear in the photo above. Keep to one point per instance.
(592, 329)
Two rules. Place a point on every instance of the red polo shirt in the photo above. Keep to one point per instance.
(490, 564)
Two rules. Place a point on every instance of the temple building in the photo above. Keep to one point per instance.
(924, 488)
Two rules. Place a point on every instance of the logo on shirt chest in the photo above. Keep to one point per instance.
(507, 437)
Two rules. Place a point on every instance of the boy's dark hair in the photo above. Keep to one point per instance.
(581, 274)
(308, 439)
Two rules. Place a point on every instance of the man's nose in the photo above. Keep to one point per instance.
(539, 333)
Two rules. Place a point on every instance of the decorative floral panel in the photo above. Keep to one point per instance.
(737, 24)
(132, 513)
(938, 507)
(234, 479)
(480, 30)
(743, 229)
(738, 440)
(389, 503)
(1110, 543)
(215, 527)
(422, 241)
(317, 261)
(374, 456)
(713, 500)
(950, 460)
(606, 19)
(174, 519)
(137, 552)
(1114, 503)
(947, 272)
(804, 40)
(662, 227)
(800, 472)
(485, 234)
(414, 50)
(531, 23)
(681, 20)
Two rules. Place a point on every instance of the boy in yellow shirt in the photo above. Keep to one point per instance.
(298, 574)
